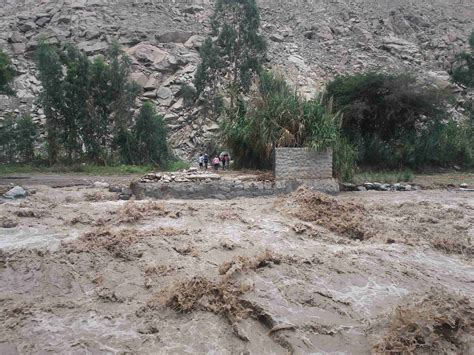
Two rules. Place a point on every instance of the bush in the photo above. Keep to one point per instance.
(395, 123)
(344, 159)
(463, 68)
(277, 117)
(188, 94)
(26, 135)
(6, 74)
(17, 139)
(150, 137)
(382, 105)
(7, 139)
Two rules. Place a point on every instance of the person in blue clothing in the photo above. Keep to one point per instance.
(206, 161)
(201, 161)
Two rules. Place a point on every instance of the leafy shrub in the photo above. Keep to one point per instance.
(463, 68)
(277, 117)
(17, 139)
(344, 159)
(187, 93)
(6, 74)
(26, 135)
(394, 122)
(382, 105)
(150, 137)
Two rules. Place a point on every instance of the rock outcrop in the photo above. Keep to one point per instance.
(310, 41)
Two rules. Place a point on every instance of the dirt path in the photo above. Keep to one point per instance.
(84, 273)
(63, 180)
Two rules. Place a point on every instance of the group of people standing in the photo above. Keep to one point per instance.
(218, 161)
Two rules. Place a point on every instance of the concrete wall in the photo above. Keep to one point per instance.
(302, 164)
(219, 189)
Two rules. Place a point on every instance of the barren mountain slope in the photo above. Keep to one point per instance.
(311, 41)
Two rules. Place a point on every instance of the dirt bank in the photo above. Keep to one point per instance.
(83, 273)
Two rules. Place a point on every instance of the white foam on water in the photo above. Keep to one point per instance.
(31, 238)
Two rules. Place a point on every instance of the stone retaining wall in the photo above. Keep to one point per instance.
(302, 163)
(223, 189)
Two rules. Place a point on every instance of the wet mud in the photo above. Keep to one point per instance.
(307, 273)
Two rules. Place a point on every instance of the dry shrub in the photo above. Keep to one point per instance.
(31, 213)
(186, 249)
(99, 196)
(437, 323)
(220, 297)
(172, 232)
(200, 294)
(345, 218)
(161, 270)
(265, 176)
(460, 244)
(244, 264)
(132, 212)
(80, 219)
(6, 222)
(227, 215)
(117, 243)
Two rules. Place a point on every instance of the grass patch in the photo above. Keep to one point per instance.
(86, 169)
(388, 177)
(177, 165)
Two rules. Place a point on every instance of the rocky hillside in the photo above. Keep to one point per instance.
(310, 41)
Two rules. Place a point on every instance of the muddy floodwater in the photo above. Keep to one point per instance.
(360, 273)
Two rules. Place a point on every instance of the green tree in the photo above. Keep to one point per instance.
(121, 94)
(75, 109)
(7, 139)
(6, 74)
(394, 122)
(25, 137)
(386, 106)
(17, 139)
(463, 68)
(88, 105)
(149, 133)
(52, 96)
(233, 53)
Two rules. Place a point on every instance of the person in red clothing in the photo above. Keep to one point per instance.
(216, 162)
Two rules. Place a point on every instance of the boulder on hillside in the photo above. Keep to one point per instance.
(195, 42)
(164, 93)
(275, 37)
(16, 37)
(91, 48)
(192, 9)
(400, 47)
(147, 53)
(26, 26)
(139, 78)
(174, 37)
(153, 82)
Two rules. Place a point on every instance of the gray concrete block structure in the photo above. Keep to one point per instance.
(305, 166)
